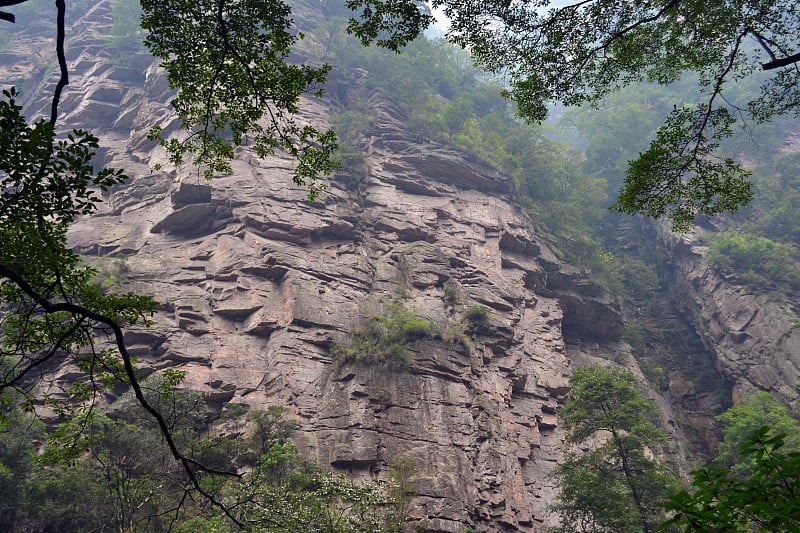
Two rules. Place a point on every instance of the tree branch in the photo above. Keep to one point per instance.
(781, 62)
(188, 463)
(63, 80)
(4, 15)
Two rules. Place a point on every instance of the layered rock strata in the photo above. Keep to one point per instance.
(755, 336)
(256, 285)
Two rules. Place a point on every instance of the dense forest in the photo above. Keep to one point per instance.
(93, 464)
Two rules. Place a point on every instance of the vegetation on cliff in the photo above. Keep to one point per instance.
(56, 313)
(117, 474)
(612, 481)
(578, 52)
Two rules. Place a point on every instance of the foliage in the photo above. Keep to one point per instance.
(270, 427)
(401, 490)
(578, 52)
(450, 295)
(477, 314)
(654, 373)
(456, 334)
(382, 339)
(682, 174)
(742, 420)
(776, 209)
(229, 62)
(18, 434)
(766, 500)
(636, 334)
(122, 478)
(352, 126)
(97, 471)
(52, 306)
(303, 499)
(755, 260)
(612, 484)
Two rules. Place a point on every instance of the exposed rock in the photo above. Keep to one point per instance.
(193, 220)
(191, 193)
(255, 285)
(756, 337)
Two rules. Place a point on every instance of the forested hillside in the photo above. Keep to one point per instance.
(443, 328)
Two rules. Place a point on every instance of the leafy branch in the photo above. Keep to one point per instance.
(229, 62)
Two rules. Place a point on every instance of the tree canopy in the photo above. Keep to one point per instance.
(580, 51)
(610, 483)
(229, 63)
(766, 500)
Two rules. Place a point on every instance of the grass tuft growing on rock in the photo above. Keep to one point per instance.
(382, 339)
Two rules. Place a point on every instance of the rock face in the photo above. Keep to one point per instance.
(755, 337)
(256, 285)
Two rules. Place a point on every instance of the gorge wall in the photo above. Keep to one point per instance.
(256, 285)
(754, 335)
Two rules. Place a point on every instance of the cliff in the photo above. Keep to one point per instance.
(256, 286)
(754, 335)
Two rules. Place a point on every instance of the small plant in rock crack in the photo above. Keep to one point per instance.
(477, 314)
(382, 339)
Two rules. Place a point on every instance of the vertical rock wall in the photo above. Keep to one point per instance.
(256, 285)
(755, 336)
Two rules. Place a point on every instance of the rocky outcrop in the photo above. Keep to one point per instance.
(256, 285)
(754, 336)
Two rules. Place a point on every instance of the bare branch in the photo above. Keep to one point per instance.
(189, 464)
(781, 62)
(63, 80)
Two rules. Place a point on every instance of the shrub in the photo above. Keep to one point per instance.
(450, 295)
(477, 314)
(382, 339)
(636, 334)
(754, 260)
(456, 334)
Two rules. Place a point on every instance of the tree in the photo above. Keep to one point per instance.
(768, 499)
(610, 482)
(741, 421)
(229, 63)
(121, 477)
(580, 51)
(753, 483)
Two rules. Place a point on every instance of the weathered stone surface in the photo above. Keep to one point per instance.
(255, 286)
(755, 337)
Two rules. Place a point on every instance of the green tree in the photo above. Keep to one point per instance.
(229, 63)
(18, 435)
(610, 482)
(768, 499)
(577, 52)
(742, 420)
